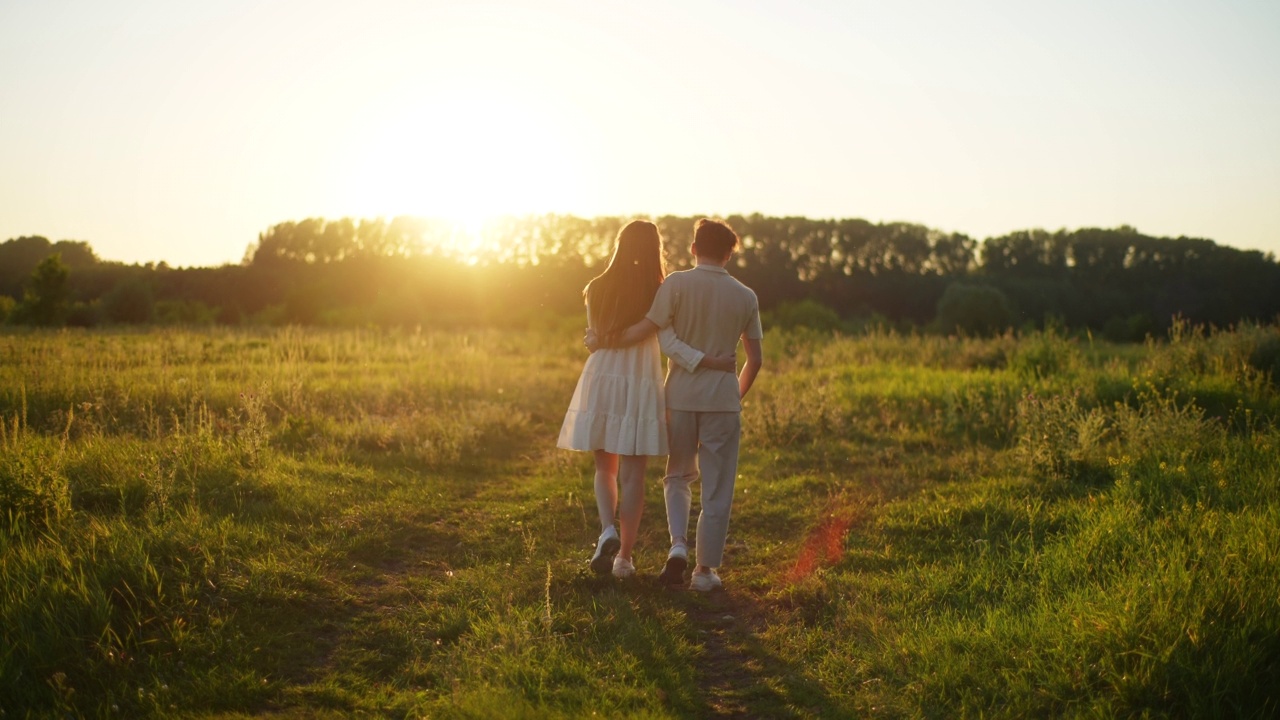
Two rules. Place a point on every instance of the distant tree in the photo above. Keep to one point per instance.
(47, 296)
(75, 254)
(7, 307)
(371, 239)
(18, 257)
(336, 242)
(1026, 253)
(953, 255)
(305, 304)
(411, 270)
(130, 302)
(84, 314)
(973, 309)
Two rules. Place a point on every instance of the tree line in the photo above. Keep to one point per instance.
(515, 271)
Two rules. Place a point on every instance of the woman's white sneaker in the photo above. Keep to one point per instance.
(623, 568)
(606, 547)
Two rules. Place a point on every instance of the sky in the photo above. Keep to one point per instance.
(178, 130)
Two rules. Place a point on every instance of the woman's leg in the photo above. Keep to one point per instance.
(606, 487)
(631, 477)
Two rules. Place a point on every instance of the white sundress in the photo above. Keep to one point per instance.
(619, 405)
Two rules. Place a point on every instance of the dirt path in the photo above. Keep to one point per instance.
(739, 676)
(731, 675)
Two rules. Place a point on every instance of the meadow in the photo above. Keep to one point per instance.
(334, 523)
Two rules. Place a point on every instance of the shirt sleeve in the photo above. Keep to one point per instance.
(678, 350)
(663, 308)
(754, 331)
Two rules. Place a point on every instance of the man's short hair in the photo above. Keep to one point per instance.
(714, 238)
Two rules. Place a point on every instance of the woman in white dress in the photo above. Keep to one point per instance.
(619, 409)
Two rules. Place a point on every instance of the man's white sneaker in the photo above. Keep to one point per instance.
(623, 568)
(677, 561)
(606, 547)
(705, 581)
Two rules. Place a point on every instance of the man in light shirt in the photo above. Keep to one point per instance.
(710, 310)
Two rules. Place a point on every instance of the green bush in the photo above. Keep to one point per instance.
(1266, 355)
(82, 314)
(973, 310)
(129, 302)
(33, 487)
(1044, 354)
(46, 299)
(806, 313)
(1057, 436)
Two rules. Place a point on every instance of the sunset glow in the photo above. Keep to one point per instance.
(227, 118)
(464, 155)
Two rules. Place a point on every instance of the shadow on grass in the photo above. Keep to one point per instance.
(713, 662)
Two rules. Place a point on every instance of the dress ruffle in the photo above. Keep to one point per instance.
(619, 405)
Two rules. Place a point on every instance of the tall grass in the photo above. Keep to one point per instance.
(344, 522)
(1113, 555)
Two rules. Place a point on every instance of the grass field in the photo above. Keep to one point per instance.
(295, 523)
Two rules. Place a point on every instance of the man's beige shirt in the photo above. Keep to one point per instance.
(709, 309)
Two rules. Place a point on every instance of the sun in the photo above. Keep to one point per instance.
(467, 240)
(465, 157)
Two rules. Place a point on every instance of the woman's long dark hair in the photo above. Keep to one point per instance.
(622, 294)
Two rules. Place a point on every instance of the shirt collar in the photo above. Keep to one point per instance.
(711, 268)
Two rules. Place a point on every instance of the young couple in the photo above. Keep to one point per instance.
(619, 409)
